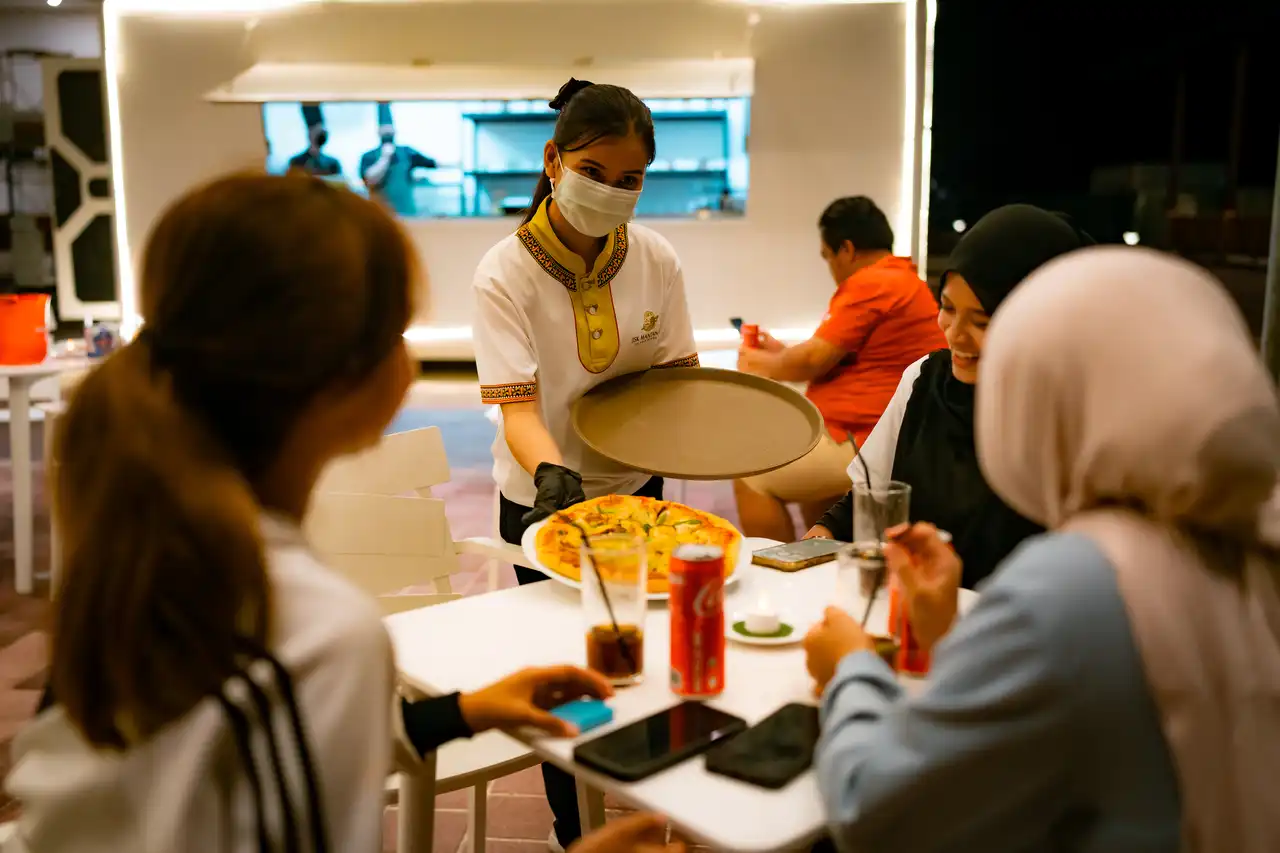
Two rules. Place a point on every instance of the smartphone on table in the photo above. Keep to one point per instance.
(795, 556)
(645, 747)
(771, 753)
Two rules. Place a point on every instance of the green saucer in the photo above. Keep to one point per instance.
(784, 630)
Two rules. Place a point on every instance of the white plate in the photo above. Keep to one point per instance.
(529, 543)
(797, 632)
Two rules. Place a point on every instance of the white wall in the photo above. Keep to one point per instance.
(827, 120)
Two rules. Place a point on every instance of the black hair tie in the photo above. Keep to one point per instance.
(566, 93)
(161, 355)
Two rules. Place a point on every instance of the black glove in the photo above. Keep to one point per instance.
(558, 488)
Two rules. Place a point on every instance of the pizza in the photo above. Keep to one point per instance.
(663, 524)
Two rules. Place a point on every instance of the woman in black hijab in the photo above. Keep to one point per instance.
(925, 437)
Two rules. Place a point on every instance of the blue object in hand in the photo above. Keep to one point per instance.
(585, 714)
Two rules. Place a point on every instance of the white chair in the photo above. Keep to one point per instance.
(374, 520)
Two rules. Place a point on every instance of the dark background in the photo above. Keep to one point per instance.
(1031, 96)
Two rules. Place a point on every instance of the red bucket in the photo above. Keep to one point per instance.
(24, 336)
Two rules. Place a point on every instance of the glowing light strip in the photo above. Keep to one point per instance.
(926, 136)
(459, 334)
(801, 3)
(126, 288)
(906, 193)
(205, 7)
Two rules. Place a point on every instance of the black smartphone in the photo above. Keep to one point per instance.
(736, 322)
(655, 743)
(772, 752)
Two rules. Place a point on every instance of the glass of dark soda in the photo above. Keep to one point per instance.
(614, 602)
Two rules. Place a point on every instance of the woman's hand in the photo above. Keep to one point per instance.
(830, 641)
(636, 833)
(819, 532)
(929, 571)
(525, 698)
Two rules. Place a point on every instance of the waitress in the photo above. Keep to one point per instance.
(576, 296)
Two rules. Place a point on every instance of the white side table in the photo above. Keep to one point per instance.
(52, 411)
(21, 378)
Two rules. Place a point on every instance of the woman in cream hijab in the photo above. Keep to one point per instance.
(1117, 686)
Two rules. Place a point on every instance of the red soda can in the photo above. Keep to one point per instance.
(697, 621)
(751, 335)
(911, 658)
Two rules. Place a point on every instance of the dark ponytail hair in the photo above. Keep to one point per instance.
(590, 112)
(259, 294)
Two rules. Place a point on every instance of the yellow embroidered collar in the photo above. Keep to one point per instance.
(541, 242)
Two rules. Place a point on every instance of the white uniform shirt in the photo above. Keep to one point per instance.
(185, 788)
(548, 329)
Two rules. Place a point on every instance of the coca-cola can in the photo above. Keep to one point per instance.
(697, 621)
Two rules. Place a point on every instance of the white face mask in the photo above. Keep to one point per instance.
(591, 207)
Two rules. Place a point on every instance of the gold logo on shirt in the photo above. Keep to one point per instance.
(648, 329)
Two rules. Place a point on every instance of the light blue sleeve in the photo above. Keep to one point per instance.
(979, 762)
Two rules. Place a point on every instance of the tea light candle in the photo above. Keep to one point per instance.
(762, 620)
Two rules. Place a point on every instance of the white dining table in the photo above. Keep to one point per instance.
(21, 377)
(469, 643)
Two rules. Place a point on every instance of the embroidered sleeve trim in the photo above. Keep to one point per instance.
(516, 392)
(687, 361)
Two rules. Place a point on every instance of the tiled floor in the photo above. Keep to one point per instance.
(519, 820)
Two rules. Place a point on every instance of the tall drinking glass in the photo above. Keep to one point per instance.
(877, 508)
(860, 576)
(614, 602)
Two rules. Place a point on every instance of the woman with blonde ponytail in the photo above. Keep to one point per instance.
(215, 687)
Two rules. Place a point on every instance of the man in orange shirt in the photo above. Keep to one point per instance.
(881, 319)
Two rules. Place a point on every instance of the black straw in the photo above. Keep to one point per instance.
(875, 590)
(604, 593)
(877, 517)
(878, 521)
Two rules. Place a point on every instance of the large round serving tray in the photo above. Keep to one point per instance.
(529, 543)
(697, 423)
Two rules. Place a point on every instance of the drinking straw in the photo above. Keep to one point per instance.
(877, 521)
(871, 599)
(604, 593)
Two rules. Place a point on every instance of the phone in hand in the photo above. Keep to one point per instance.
(639, 750)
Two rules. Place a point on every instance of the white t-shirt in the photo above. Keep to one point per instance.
(881, 446)
(548, 329)
(185, 788)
